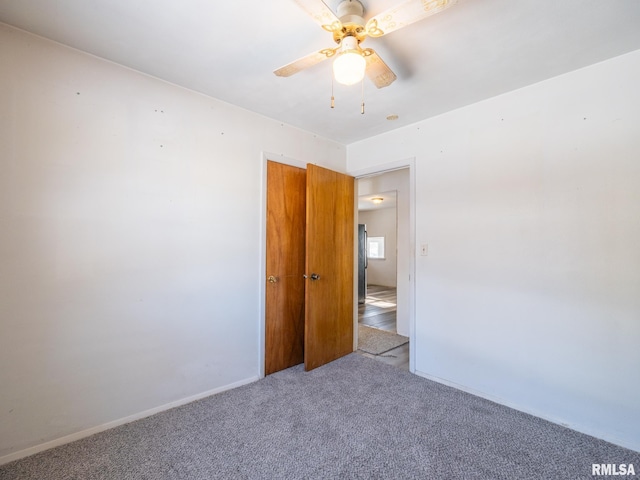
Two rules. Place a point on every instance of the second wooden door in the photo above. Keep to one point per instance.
(330, 237)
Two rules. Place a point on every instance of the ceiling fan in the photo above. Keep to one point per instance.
(350, 29)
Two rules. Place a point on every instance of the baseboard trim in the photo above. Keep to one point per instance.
(578, 428)
(116, 423)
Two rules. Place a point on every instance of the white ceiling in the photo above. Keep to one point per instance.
(228, 50)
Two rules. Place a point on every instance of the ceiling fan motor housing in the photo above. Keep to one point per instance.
(351, 12)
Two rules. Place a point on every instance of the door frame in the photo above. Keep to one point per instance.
(380, 169)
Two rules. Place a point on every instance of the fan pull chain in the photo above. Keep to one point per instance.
(333, 100)
(362, 106)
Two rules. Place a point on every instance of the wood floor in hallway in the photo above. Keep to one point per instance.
(379, 311)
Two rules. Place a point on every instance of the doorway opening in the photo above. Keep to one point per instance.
(384, 265)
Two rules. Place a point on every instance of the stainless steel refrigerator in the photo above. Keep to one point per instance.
(362, 263)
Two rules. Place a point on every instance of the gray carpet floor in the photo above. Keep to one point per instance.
(352, 419)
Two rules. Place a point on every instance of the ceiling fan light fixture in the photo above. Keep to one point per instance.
(350, 65)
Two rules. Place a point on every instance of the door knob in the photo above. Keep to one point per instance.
(272, 279)
(315, 276)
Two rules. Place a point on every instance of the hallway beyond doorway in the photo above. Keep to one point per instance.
(379, 311)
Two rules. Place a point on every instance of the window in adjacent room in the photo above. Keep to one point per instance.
(375, 247)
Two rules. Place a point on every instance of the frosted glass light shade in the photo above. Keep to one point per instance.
(349, 67)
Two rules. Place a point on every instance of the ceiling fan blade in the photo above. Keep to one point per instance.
(321, 13)
(305, 62)
(404, 14)
(378, 71)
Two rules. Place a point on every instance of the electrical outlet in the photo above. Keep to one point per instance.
(424, 249)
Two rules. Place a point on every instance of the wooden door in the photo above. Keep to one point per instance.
(329, 266)
(285, 263)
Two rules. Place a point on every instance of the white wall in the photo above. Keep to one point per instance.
(530, 202)
(381, 223)
(398, 181)
(130, 242)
